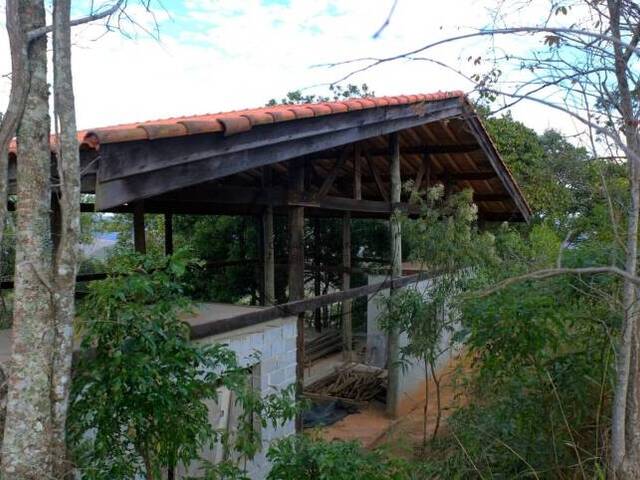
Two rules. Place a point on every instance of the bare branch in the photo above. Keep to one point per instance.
(38, 32)
(386, 21)
(556, 272)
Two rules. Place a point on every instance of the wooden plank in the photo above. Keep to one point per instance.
(183, 173)
(293, 308)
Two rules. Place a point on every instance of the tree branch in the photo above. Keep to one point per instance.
(556, 272)
(38, 32)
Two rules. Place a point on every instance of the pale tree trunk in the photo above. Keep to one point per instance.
(626, 414)
(66, 254)
(17, 100)
(26, 448)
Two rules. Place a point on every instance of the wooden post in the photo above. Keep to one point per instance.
(347, 305)
(296, 265)
(168, 234)
(268, 255)
(317, 313)
(139, 237)
(393, 348)
(357, 173)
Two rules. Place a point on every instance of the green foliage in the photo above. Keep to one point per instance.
(301, 458)
(137, 404)
(336, 93)
(541, 387)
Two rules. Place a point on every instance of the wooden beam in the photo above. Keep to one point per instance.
(376, 176)
(393, 340)
(171, 164)
(289, 309)
(333, 173)
(139, 235)
(491, 197)
(480, 134)
(413, 150)
(168, 234)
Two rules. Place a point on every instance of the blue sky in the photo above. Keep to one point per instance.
(218, 55)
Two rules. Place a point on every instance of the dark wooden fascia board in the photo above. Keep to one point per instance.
(116, 192)
(131, 158)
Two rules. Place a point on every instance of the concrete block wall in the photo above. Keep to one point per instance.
(270, 349)
(412, 378)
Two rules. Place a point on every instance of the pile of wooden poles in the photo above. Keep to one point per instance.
(354, 382)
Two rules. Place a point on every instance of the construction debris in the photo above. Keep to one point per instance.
(353, 381)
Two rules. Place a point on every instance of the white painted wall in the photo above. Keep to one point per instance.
(275, 344)
(413, 377)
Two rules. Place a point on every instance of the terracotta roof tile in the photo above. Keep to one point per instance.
(320, 109)
(302, 111)
(232, 123)
(235, 124)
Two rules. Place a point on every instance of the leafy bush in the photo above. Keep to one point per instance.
(137, 405)
(303, 458)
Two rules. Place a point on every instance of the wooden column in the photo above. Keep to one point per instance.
(317, 313)
(168, 234)
(347, 305)
(296, 265)
(268, 254)
(139, 237)
(393, 348)
(357, 173)
(268, 257)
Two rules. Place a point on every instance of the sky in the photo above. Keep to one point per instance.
(220, 55)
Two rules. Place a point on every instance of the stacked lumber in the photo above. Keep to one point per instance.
(354, 381)
(324, 344)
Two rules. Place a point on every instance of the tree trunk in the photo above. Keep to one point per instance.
(17, 99)
(625, 442)
(66, 255)
(26, 450)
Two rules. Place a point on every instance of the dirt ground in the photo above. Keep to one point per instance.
(403, 436)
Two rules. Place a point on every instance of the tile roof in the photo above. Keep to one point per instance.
(231, 123)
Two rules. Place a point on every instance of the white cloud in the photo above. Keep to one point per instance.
(229, 54)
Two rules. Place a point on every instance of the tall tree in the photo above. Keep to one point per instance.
(582, 61)
(47, 234)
